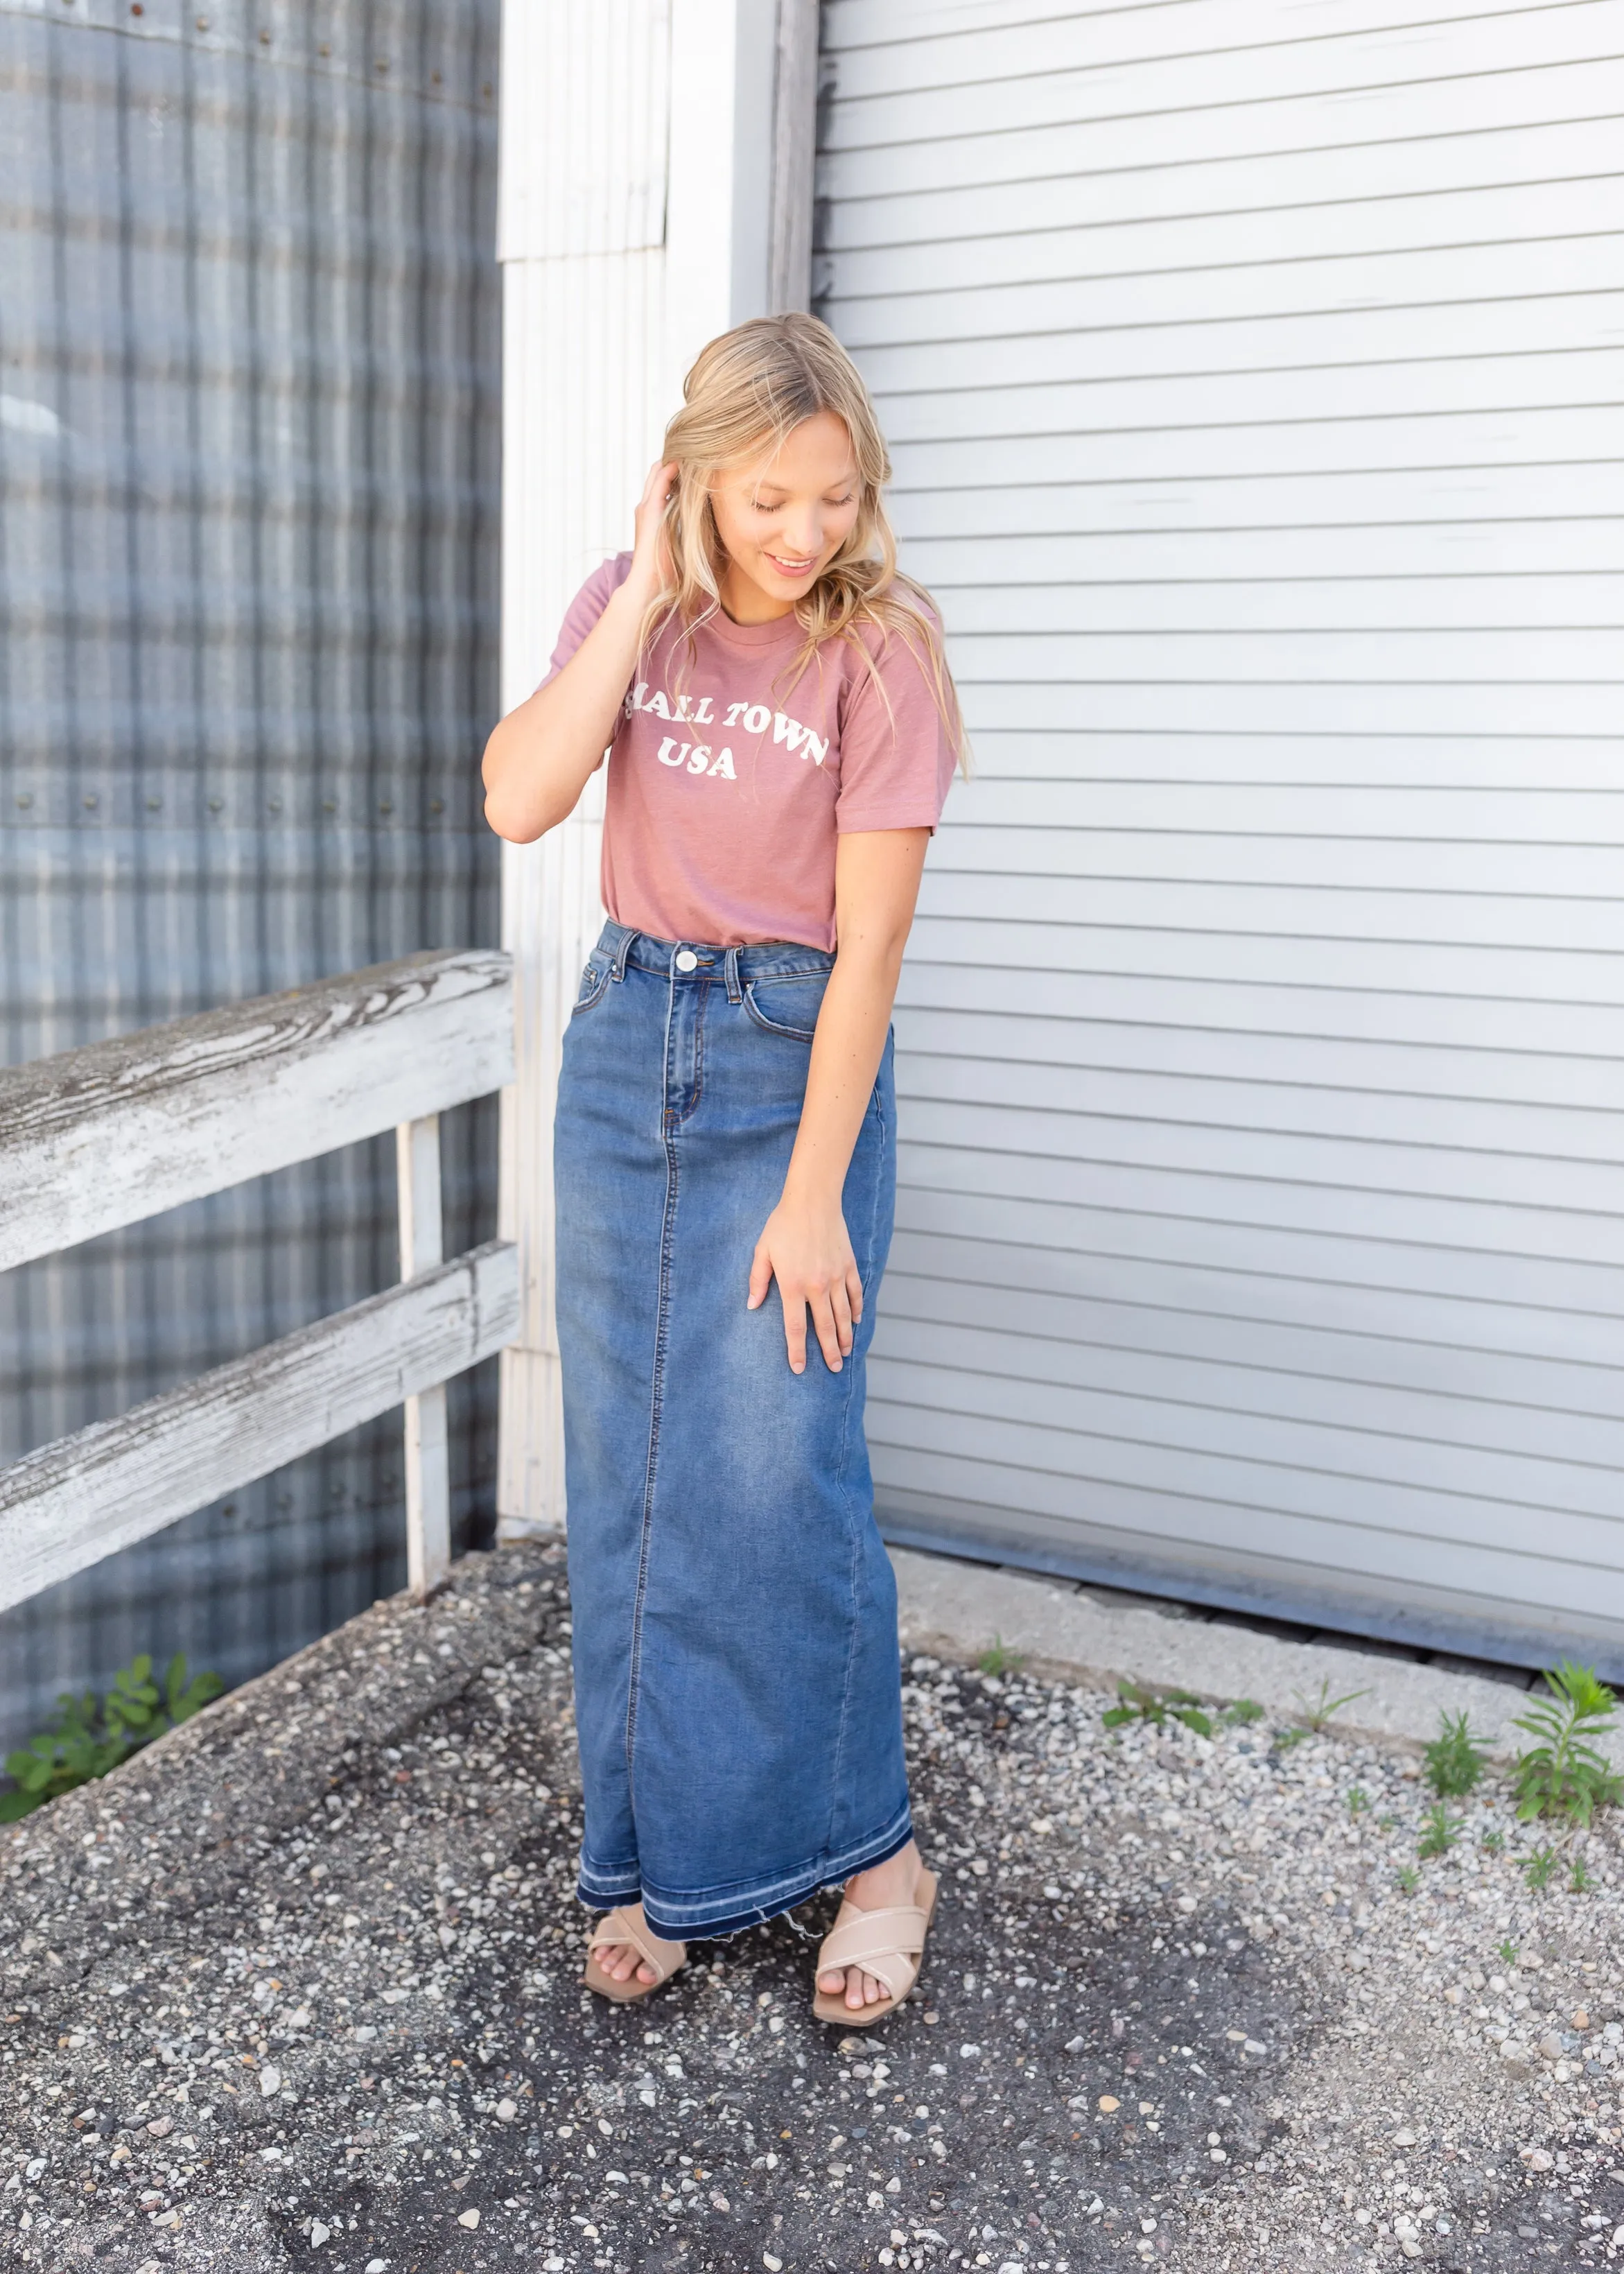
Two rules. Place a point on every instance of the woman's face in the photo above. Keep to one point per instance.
(782, 518)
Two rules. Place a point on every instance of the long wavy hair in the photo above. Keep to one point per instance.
(746, 392)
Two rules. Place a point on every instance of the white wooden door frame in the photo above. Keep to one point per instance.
(656, 187)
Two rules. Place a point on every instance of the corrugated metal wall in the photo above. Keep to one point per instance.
(1252, 376)
(249, 381)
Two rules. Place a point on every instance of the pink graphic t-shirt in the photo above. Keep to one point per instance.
(731, 776)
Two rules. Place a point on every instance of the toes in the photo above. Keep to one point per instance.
(645, 1973)
(873, 1991)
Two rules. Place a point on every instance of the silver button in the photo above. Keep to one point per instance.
(687, 960)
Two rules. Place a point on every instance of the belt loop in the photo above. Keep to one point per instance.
(735, 993)
(617, 969)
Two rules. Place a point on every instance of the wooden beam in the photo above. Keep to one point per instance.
(120, 1130)
(71, 1503)
(428, 1466)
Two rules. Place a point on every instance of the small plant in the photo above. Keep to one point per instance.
(1538, 1868)
(1492, 1843)
(1508, 1951)
(1455, 1759)
(1285, 1740)
(1579, 1880)
(1408, 1879)
(1000, 1659)
(1319, 1711)
(87, 1741)
(1158, 1708)
(1358, 1800)
(1242, 1713)
(1564, 1774)
(1440, 1831)
(1385, 1822)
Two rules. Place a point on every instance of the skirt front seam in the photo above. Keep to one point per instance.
(662, 1319)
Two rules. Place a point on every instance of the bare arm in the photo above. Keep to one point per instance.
(805, 1245)
(540, 757)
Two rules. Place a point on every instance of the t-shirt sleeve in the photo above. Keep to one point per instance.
(585, 610)
(896, 762)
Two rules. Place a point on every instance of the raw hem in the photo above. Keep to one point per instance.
(704, 1918)
(602, 1891)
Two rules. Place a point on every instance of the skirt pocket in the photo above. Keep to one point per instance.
(788, 1007)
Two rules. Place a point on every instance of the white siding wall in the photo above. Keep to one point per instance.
(1252, 375)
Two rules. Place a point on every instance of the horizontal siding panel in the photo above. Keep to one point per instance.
(1322, 1554)
(926, 43)
(1488, 763)
(1394, 863)
(1351, 199)
(1134, 133)
(1513, 1149)
(1481, 1523)
(1204, 1409)
(1530, 375)
(1125, 344)
(1337, 1064)
(1294, 1183)
(1563, 1052)
(1269, 707)
(1425, 547)
(1234, 81)
(967, 925)
(1402, 1382)
(902, 304)
(1570, 1311)
(1403, 658)
(1454, 441)
(1259, 606)
(1580, 491)
(1520, 818)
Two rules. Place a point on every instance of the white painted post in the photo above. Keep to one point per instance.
(428, 1474)
(636, 219)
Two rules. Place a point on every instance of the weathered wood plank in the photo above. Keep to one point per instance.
(428, 1460)
(118, 1130)
(71, 1503)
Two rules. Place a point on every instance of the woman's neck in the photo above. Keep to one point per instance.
(744, 600)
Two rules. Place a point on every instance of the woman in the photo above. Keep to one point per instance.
(782, 730)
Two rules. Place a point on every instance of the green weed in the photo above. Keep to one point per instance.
(1408, 1879)
(1455, 1759)
(87, 1740)
(1440, 1831)
(1242, 1713)
(1136, 1703)
(1000, 1659)
(1508, 1951)
(1319, 1711)
(1564, 1774)
(1538, 1868)
(1492, 1842)
(1579, 1880)
(1358, 1800)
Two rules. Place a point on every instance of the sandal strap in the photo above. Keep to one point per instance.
(887, 1944)
(621, 1927)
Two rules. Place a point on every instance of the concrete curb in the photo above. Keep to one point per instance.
(953, 1610)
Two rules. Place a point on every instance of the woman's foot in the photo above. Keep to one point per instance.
(626, 1960)
(885, 1887)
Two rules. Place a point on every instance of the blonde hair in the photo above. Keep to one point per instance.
(746, 392)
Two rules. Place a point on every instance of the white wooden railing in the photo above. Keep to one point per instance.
(121, 1130)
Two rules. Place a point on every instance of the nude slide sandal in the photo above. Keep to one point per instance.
(888, 1944)
(627, 1925)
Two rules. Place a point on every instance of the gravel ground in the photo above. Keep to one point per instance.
(298, 1987)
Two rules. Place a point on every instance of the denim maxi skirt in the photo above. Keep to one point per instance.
(737, 1681)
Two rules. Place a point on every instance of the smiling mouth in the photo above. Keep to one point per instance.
(791, 567)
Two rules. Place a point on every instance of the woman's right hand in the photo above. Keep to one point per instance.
(651, 572)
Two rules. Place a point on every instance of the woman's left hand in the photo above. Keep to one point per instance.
(804, 1246)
